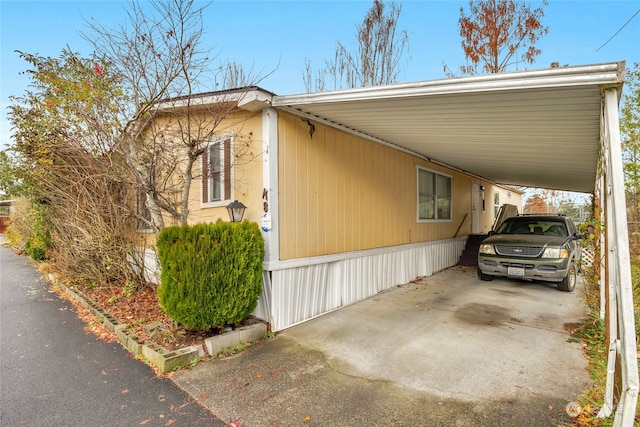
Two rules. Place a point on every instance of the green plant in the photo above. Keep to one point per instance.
(36, 248)
(37, 240)
(137, 322)
(211, 273)
(126, 291)
(230, 351)
(191, 364)
(593, 335)
(194, 362)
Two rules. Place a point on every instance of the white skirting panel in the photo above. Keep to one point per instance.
(147, 259)
(294, 292)
(263, 308)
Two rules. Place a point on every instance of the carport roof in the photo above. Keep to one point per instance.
(533, 128)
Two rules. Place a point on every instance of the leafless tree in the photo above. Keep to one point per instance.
(159, 52)
(375, 60)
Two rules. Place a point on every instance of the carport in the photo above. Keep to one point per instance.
(555, 128)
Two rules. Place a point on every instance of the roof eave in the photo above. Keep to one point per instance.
(608, 74)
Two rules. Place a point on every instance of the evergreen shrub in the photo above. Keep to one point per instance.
(211, 273)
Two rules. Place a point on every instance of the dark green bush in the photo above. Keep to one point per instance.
(36, 248)
(211, 273)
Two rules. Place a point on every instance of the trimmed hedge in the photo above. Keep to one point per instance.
(211, 273)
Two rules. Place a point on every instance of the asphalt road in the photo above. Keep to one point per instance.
(53, 373)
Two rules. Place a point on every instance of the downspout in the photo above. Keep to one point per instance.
(269, 217)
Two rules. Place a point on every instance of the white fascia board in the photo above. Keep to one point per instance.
(255, 100)
(589, 75)
(250, 99)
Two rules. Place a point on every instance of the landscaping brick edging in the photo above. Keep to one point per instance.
(164, 360)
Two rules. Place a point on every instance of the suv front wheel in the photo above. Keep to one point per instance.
(485, 277)
(568, 284)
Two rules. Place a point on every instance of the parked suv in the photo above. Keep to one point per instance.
(534, 247)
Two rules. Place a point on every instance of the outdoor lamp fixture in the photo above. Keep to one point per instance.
(236, 211)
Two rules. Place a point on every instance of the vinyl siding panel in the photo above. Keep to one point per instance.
(245, 182)
(341, 193)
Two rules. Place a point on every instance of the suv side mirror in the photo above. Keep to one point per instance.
(491, 233)
(578, 236)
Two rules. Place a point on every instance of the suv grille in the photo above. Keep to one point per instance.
(523, 251)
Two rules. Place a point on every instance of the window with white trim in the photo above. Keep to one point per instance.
(434, 195)
(496, 204)
(216, 172)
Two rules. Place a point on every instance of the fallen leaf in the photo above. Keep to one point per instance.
(125, 391)
(234, 423)
(551, 407)
(103, 372)
(307, 419)
(147, 421)
(168, 423)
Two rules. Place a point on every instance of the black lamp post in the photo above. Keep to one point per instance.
(236, 211)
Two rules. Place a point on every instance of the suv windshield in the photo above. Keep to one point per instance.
(523, 225)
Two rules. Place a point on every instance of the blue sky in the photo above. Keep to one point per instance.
(278, 35)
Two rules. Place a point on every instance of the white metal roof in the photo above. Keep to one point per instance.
(533, 128)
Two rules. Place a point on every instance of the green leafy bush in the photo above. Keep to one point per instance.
(36, 247)
(29, 229)
(211, 273)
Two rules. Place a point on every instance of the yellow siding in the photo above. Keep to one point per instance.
(247, 170)
(246, 129)
(341, 193)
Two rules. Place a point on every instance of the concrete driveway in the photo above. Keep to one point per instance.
(446, 350)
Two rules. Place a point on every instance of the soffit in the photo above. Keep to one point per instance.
(533, 129)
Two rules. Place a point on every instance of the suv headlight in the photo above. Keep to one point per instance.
(487, 249)
(555, 253)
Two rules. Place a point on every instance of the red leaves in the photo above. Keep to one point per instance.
(98, 70)
(499, 33)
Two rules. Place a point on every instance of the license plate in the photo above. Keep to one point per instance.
(515, 271)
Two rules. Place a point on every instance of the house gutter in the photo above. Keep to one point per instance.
(589, 75)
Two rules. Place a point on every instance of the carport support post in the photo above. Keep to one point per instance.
(607, 283)
(603, 248)
(621, 318)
